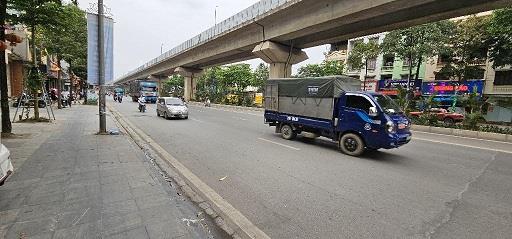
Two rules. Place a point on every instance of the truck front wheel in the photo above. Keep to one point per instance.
(287, 132)
(351, 144)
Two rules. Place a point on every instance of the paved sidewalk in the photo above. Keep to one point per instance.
(70, 183)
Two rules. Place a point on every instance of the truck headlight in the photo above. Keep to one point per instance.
(390, 127)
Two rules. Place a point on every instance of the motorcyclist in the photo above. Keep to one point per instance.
(142, 103)
(207, 102)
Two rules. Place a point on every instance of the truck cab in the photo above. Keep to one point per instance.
(375, 118)
(334, 107)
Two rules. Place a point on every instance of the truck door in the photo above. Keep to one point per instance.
(354, 114)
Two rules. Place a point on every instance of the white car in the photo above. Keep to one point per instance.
(171, 107)
(5, 164)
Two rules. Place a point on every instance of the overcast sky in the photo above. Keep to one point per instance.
(142, 26)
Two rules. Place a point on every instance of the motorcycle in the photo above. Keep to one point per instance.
(142, 107)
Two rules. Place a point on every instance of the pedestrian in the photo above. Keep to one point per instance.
(70, 99)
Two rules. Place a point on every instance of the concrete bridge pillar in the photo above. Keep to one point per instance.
(280, 57)
(191, 75)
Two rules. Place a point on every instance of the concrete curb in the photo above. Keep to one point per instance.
(463, 133)
(224, 214)
(228, 106)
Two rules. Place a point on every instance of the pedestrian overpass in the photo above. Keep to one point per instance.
(276, 31)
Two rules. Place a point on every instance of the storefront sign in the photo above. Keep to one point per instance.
(369, 85)
(394, 84)
(446, 88)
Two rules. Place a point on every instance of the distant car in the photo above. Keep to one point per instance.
(5, 164)
(171, 107)
(448, 118)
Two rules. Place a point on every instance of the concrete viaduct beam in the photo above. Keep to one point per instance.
(191, 76)
(280, 57)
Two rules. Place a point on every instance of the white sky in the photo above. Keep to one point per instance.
(142, 26)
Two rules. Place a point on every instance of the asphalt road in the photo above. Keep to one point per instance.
(434, 187)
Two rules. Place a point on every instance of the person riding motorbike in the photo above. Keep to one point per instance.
(207, 102)
(142, 104)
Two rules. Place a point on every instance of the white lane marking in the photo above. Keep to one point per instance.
(238, 118)
(280, 144)
(194, 119)
(240, 112)
(464, 145)
(462, 137)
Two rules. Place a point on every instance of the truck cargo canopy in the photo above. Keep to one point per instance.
(312, 97)
(315, 87)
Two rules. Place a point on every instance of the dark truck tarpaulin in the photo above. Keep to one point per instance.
(313, 97)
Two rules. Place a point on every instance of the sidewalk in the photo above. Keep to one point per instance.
(70, 183)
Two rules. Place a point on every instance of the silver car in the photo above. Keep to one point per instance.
(171, 107)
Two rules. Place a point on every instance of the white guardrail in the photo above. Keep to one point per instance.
(259, 9)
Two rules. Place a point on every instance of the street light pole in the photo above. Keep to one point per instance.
(101, 76)
(216, 15)
(161, 49)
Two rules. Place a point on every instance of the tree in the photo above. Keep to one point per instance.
(261, 75)
(174, 85)
(236, 78)
(208, 85)
(500, 38)
(34, 14)
(326, 68)
(218, 82)
(6, 121)
(66, 41)
(468, 48)
(361, 54)
(416, 44)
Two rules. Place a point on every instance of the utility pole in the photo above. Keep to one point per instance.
(101, 77)
(161, 49)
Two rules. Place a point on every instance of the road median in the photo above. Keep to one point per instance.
(225, 215)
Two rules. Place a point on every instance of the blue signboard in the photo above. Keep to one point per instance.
(450, 88)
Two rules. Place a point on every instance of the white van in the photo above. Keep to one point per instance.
(6, 168)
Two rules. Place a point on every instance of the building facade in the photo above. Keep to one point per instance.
(17, 55)
(387, 72)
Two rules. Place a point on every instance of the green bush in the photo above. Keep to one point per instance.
(472, 120)
(426, 119)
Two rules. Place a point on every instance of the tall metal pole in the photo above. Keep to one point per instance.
(101, 77)
(216, 15)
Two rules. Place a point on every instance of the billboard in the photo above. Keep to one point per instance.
(447, 88)
(390, 86)
(92, 49)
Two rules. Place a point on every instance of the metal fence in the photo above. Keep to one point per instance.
(250, 14)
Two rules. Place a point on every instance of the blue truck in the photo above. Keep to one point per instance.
(148, 89)
(334, 107)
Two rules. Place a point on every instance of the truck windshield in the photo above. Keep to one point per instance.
(388, 105)
(174, 102)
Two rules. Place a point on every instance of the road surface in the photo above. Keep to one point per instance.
(434, 187)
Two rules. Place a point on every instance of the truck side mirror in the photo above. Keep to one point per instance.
(373, 111)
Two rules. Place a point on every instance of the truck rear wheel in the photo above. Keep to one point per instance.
(287, 132)
(351, 144)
